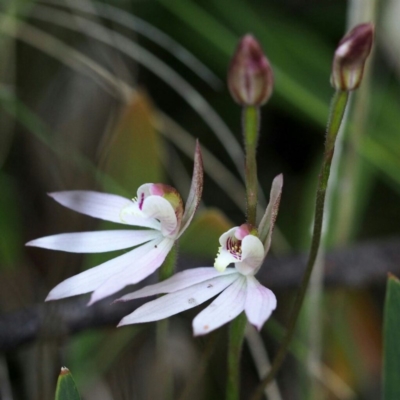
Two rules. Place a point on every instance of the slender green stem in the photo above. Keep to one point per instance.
(338, 107)
(236, 336)
(250, 133)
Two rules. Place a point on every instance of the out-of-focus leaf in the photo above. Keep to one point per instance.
(90, 354)
(11, 243)
(391, 367)
(66, 388)
(201, 237)
(132, 155)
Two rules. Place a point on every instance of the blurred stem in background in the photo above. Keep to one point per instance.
(341, 198)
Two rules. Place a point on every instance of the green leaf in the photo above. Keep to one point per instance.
(391, 362)
(66, 388)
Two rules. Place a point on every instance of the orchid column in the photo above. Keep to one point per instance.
(250, 82)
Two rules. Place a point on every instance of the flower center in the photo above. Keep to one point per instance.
(234, 247)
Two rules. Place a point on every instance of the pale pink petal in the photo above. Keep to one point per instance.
(104, 206)
(196, 190)
(161, 209)
(260, 302)
(135, 272)
(267, 223)
(252, 255)
(95, 242)
(179, 281)
(89, 280)
(227, 306)
(179, 301)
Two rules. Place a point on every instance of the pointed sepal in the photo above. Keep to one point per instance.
(267, 223)
(196, 189)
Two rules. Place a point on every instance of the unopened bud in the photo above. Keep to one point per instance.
(250, 77)
(350, 56)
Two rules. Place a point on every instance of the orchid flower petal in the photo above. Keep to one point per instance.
(136, 271)
(94, 242)
(223, 259)
(225, 256)
(104, 206)
(224, 237)
(227, 306)
(260, 302)
(196, 190)
(179, 281)
(252, 255)
(161, 209)
(91, 279)
(268, 220)
(179, 301)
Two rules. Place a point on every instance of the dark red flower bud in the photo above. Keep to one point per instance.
(350, 56)
(250, 77)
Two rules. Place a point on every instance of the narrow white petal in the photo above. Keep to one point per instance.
(252, 255)
(89, 280)
(227, 306)
(135, 272)
(196, 189)
(95, 242)
(179, 301)
(161, 209)
(104, 206)
(260, 302)
(179, 281)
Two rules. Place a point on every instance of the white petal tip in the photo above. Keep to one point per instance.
(200, 333)
(123, 322)
(92, 301)
(258, 327)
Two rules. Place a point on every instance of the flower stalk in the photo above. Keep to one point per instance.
(250, 81)
(251, 117)
(236, 337)
(338, 107)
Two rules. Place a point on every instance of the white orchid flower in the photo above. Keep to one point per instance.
(243, 246)
(158, 208)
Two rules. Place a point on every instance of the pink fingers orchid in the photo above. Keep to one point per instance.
(158, 208)
(237, 287)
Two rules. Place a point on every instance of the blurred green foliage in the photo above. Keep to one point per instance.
(77, 113)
